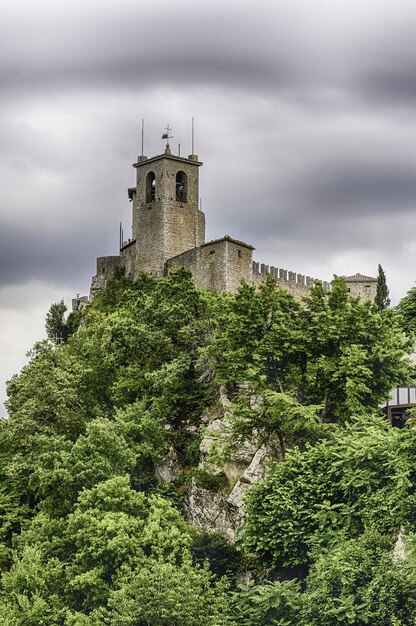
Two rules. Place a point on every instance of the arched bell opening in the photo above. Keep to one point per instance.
(181, 187)
(150, 187)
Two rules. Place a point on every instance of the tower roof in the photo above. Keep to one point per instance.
(228, 238)
(359, 278)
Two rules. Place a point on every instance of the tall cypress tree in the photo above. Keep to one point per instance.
(382, 299)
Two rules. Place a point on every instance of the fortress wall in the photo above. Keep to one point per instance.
(206, 264)
(298, 285)
(106, 266)
(79, 302)
(367, 290)
(239, 264)
(184, 228)
(184, 223)
(128, 259)
(217, 265)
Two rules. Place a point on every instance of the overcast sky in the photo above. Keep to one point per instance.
(305, 120)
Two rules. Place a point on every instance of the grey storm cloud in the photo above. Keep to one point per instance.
(359, 188)
(273, 47)
(24, 257)
(389, 83)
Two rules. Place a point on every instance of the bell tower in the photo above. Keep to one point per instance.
(166, 216)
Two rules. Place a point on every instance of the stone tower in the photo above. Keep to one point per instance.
(363, 286)
(166, 216)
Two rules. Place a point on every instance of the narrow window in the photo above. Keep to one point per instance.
(150, 187)
(181, 187)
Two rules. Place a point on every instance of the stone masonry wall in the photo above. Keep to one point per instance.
(148, 229)
(367, 290)
(106, 266)
(239, 259)
(217, 265)
(128, 258)
(298, 285)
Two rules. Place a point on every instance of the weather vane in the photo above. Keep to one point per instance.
(167, 136)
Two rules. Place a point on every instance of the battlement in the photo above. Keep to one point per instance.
(297, 284)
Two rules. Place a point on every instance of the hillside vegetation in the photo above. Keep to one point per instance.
(90, 536)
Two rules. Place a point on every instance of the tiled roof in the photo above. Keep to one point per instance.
(228, 238)
(359, 278)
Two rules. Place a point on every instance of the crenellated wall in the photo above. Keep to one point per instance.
(298, 285)
(220, 264)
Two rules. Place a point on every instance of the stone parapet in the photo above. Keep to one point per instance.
(297, 284)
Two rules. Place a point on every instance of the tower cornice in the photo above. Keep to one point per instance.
(193, 158)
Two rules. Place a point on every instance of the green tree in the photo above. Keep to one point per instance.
(258, 339)
(119, 555)
(89, 537)
(270, 604)
(407, 310)
(354, 352)
(31, 591)
(163, 594)
(382, 299)
(360, 582)
(56, 328)
(291, 368)
(360, 481)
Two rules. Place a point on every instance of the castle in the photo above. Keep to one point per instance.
(168, 231)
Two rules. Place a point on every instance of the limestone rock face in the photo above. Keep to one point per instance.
(223, 511)
(210, 511)
(400, 550)
(169, 469)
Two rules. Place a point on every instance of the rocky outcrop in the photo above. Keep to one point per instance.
(223, 511)
(170, 469)
(400, 550)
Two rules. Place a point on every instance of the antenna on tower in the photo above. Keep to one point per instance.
(193, 136)
(121, 235)
(142, 137)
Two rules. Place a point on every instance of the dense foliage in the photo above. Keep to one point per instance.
(322, 361)
(407, 310)
(90, 535)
